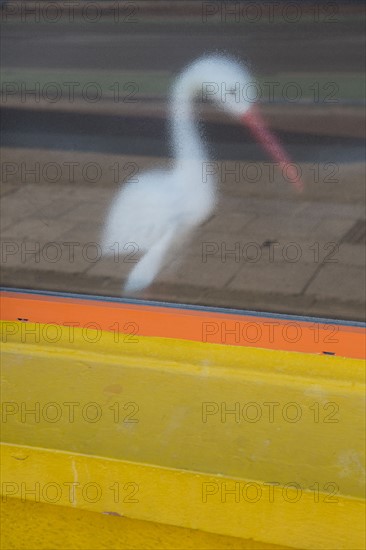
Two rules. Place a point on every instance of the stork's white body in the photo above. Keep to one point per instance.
(161, 208)
(152, 214)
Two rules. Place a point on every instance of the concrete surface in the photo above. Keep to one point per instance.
(279, 252)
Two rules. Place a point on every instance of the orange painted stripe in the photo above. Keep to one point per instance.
(258, 331)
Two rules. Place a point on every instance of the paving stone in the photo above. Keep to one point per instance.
(60, 281)
(274, 206)
(266, 301)
(88, 211)
(341, 282)
(204, 243)
(7, 189)
(318, 235)
(108, 266)
(335, 228)
(81, 232)
(333, 210)
(73, 168)
(290, 227)
(249, 222)
(192, 271)
(260, 246)
(20, 204)
(284, 278)
(35, 229)
(334, 309)
(228, 222)
(57, 208)
(351, 254)
(44, 257)
(40, 202)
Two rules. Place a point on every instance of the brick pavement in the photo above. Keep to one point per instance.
(241, 257)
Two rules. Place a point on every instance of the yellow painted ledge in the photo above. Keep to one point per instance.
(236, 442)
(44, 526)
(215, 504)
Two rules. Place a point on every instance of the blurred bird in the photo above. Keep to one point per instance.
(160, 209)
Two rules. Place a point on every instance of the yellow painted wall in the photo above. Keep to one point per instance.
(45, 526)
(191, 426)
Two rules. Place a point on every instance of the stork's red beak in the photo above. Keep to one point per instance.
(253, 119)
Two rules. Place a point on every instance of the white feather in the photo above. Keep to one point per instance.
(156, 212)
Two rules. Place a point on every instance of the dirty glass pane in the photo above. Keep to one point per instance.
(235, 131)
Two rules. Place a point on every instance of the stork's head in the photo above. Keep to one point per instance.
(229, 85)
(225, 82)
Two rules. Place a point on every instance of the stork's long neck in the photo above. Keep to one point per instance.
(189, 148)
